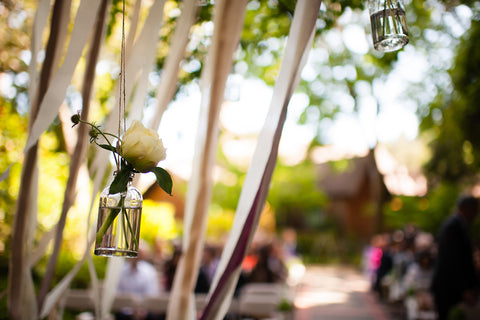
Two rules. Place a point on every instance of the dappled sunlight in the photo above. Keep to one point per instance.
(336, 292)
(311, 299)
(296, 271)
(323, 286)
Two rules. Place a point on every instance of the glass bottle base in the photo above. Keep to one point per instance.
(108, 252)
(391, 43)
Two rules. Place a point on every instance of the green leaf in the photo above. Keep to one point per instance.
(164, 179)
(108, 147)
(120, 181)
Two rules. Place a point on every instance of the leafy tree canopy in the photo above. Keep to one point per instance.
(454, 117)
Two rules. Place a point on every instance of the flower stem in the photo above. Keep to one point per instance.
(131, 231)
(125, 217)
(104, 135)
(388, 6)
(108, 221)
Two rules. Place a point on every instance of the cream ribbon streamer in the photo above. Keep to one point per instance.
(228, 22)
(57, 89)
(168, 83)
(40, 21)
(142, 59)
(255, 188)
(39, 24)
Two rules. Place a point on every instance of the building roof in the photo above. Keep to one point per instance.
(351, 178)
(396, 177)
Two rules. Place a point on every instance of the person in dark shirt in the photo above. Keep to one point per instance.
(385, 266)
(454, 278)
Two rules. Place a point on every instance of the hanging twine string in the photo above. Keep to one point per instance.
(123, 69)
(122, 110)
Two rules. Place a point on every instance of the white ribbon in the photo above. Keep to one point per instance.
(57, 89)
(228, 22)
(166, 87)
(257, 181)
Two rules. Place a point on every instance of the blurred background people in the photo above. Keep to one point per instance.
(416, 284)
(139, 278)
(454, 278)
(269, 267)
(385, 266)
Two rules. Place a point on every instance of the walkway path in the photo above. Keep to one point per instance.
(336, 293)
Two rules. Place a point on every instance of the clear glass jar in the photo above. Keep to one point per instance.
(118, 224)
(389, 25)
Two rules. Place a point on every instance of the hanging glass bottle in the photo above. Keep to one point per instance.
(118, 225)
(389, 25)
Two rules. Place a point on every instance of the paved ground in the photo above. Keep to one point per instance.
(336, 293)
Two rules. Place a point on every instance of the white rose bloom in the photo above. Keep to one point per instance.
(142, 147)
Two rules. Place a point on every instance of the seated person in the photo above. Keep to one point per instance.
(269, 267)
(417, 283)
(140, 278)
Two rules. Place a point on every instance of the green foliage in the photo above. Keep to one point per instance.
(262, 39)
(456, 149)
(15, 40)
(67, 261)
(327, 247)
(12, 138)
(226, 195)
(295, 196)
(115, 11)
(285, 305)
(121, 179)
(220, 222)
(427, 213)
(164, 179)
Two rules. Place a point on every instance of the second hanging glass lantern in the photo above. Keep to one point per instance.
(389, 25)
